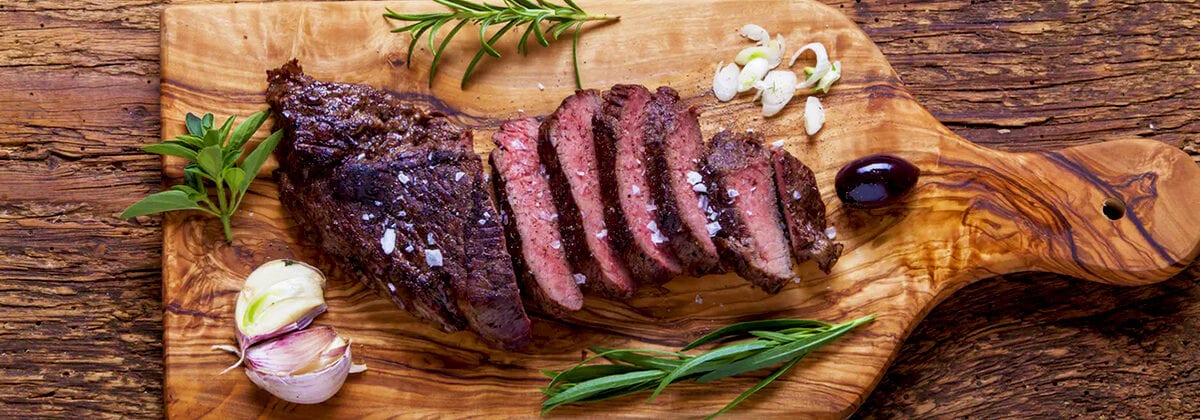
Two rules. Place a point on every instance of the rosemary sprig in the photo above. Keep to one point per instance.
(774, 342)
(212, 155)
(538, 17)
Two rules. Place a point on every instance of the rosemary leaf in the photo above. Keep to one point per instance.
(513, 13)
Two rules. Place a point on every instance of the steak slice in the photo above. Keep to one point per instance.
(395, 191)
(531, 219)
(674, 149)
(631, 213)
(803, 211)
(742, 186)
(567, 149)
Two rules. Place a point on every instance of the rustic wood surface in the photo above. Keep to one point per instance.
(81, 312)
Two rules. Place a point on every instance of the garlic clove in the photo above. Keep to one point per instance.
(278, 297)
(304, 367)
(725, 81)
(755, 33)
(820, 69)
(753, 72)
(814, 115)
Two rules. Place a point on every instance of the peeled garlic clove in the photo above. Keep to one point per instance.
(822, 63)
(725, 82)
(278, 297)
(755, 33)
(814, 115)
(777, 89)
(753, 72)
(304, 367)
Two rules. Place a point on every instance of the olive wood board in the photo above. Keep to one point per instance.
(975, 213)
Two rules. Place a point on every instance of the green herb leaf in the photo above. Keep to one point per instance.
(210, 161)
(255, 159)
(760, 385)
(514, 13)
(595, 386)
(194, 126)
(732, 351)
(745, 327)
(206, 123)
(781, 353)
(223, 133)
(171, 149)
(192, 193)
(159, 202)
(246, 129)
(589, 372)
(234, 177)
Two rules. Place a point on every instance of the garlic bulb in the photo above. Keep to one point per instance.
(303, 367)
(280, 296)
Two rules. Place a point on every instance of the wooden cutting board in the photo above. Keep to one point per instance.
(975, 213)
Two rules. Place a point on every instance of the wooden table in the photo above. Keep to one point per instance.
(80, 311)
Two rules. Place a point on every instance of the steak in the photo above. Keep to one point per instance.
(396, 192)
(742, 186)
(531, 219)
(674, 149)
(803, 211)
(631, 213)
(567, 149)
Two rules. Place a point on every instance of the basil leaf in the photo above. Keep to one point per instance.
(212, 138)
(210, 162)
(255, 159)
(230, 159)
(234, 178)
(171, 149)
(207, 122)
(195, 142)
(192, 194)
(160, 202)
(223, 133)
(194, 126)
(246, 129)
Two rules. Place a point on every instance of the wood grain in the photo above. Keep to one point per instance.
(976, 213)
(80, 289)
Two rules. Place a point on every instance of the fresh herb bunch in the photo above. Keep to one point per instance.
(212, 155)
(774, 342)
(514, 13)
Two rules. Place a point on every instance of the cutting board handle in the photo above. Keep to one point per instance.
(1123, 212)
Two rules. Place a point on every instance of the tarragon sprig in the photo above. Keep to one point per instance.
(212, 155)
(540, 17)
(774, 342)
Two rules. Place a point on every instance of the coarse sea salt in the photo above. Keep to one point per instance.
(388, 241)
(579, 278)
(433, 257)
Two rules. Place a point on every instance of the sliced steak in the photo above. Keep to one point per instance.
(396, 192)
(631, 212)
(674, 149)
(742, 186)
(567, 148)
(531, 219)
(803, 211)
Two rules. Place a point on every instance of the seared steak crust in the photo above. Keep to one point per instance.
(397, 192)
(803, 211)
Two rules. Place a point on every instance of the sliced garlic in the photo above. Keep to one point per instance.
(822, 63)
(755, 33)
(814, 115)
(303, 367)
(753, 72)
(834, 73)
(280, 296)
(725, 81)
(777, 89)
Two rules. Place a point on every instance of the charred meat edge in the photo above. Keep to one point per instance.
(803, 211)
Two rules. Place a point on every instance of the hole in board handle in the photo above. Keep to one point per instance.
(1113, 209)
